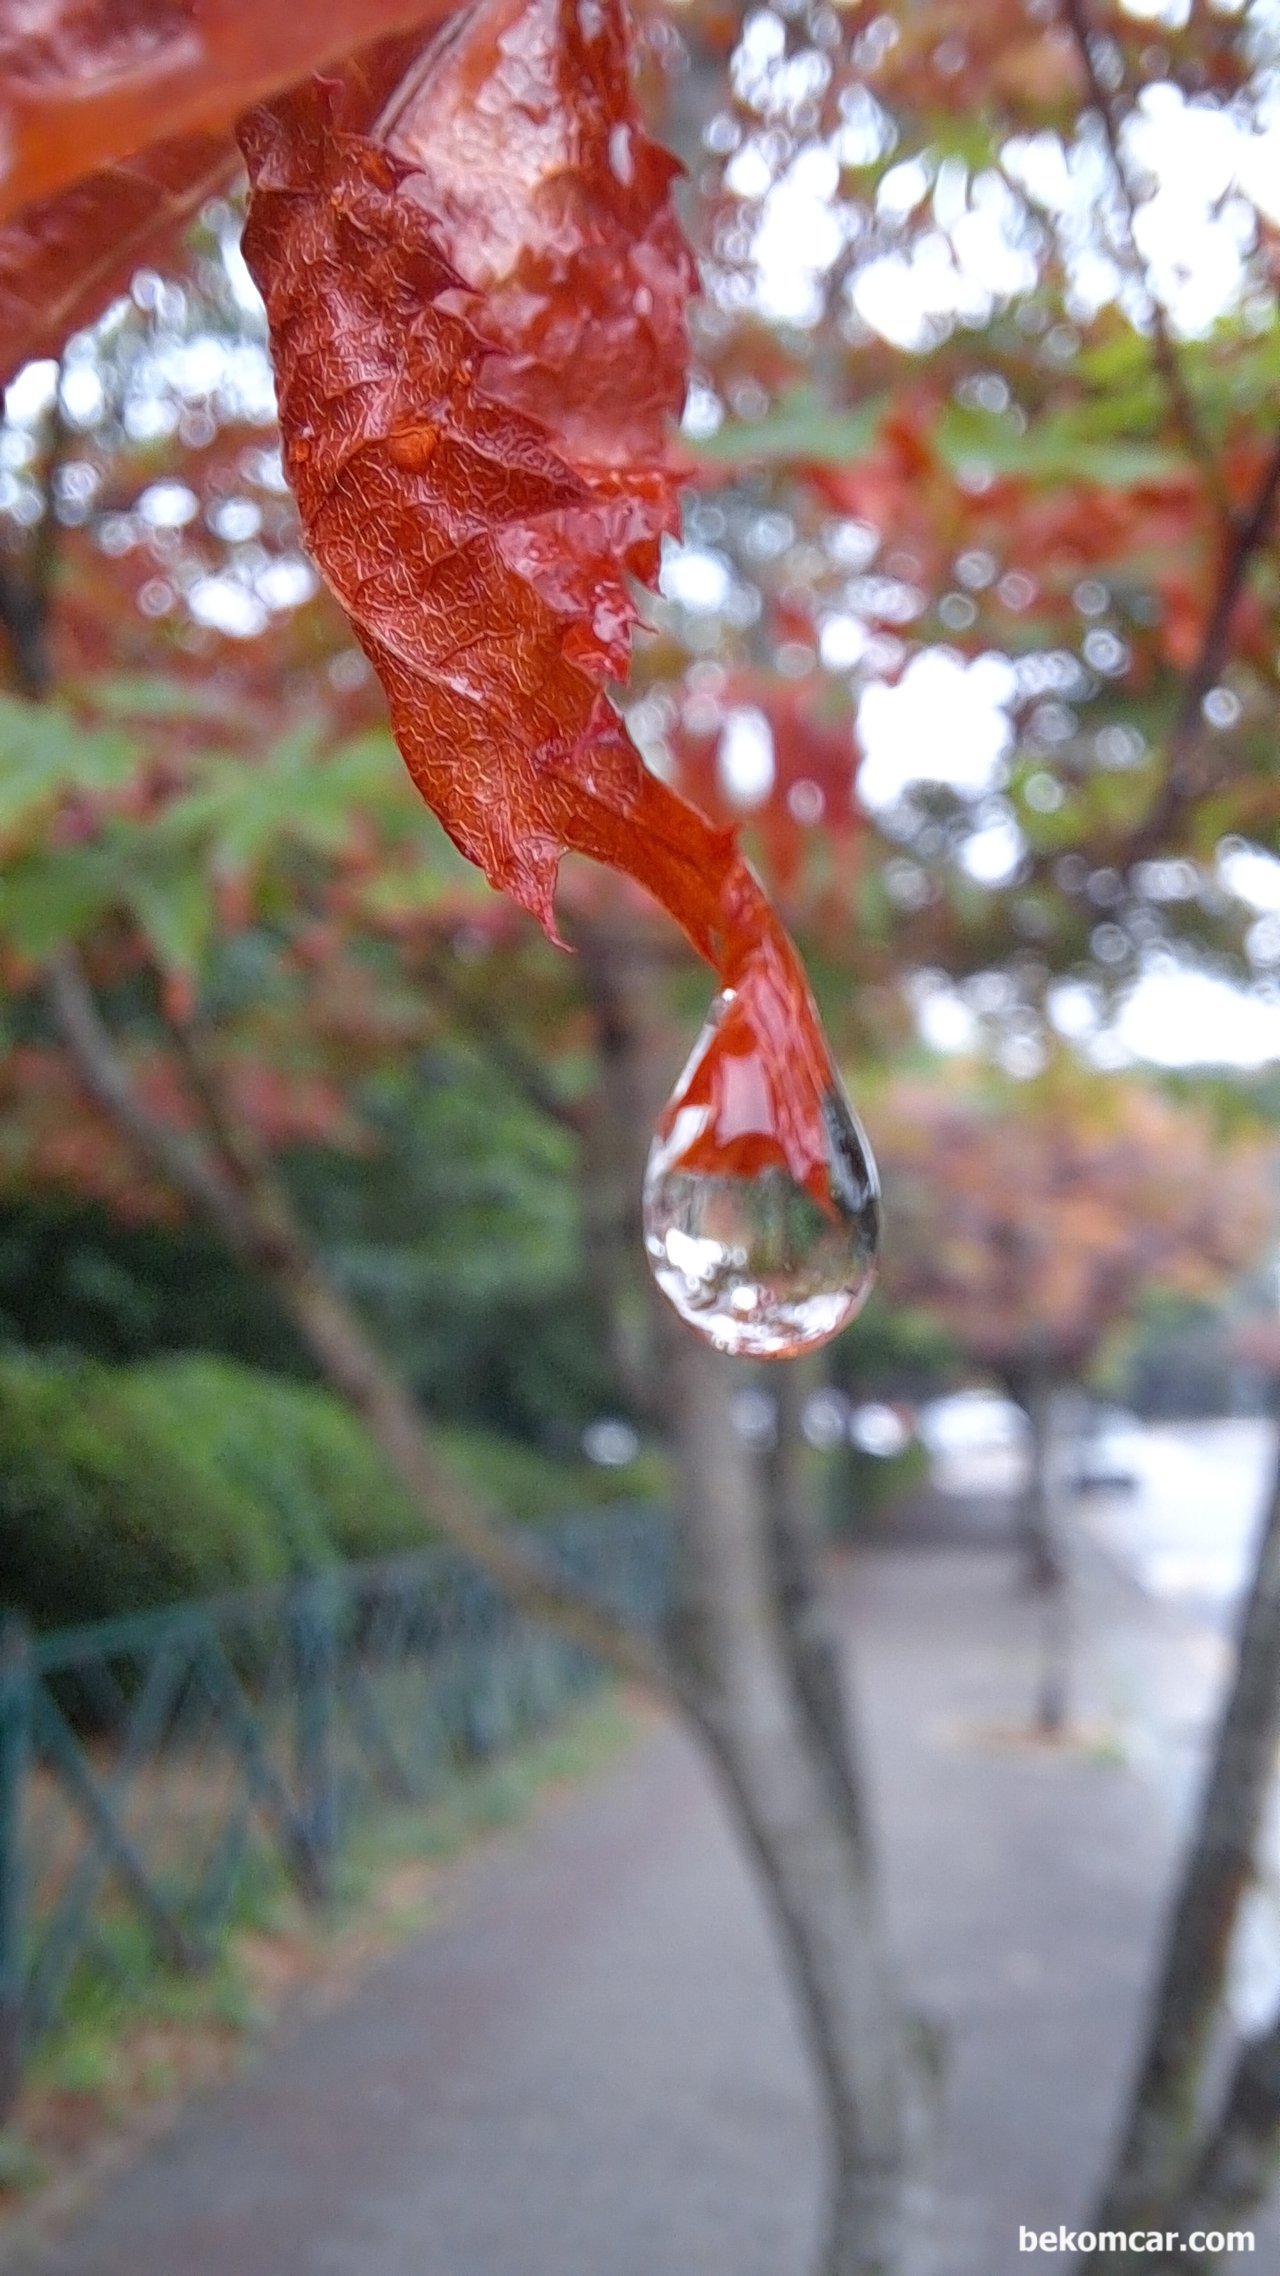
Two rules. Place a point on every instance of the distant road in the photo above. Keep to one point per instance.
(1188, 1533)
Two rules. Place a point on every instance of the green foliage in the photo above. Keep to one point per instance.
(122, 1488)
(98, 1514)
(289, 1450)
(456, 1233)
(800, 426)
(1058, 449)
(301, 798)
(75, 1278)
(298, 793)
(47, 753)
(536, 1488)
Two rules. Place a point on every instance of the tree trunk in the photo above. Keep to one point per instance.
(1236, 2168)
(1045, 1566)
(806, 1618)
(760, 1665)
(1157, 2159)
(764, 1700)
(615, 1142)
(1037, 1529)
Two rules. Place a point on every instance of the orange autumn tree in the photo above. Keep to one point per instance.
(1031, 1218)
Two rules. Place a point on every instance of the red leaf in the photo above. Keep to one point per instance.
(83, 85)
(476, 314)
(116, 126)
(62, 259)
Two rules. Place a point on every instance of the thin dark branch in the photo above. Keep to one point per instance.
(26, 582)
(1187, 776)
(23, 624)
(1248, 535)
(42, 561)
(239, 1147)
(519, 1067)
(1111, 118)
(185, 1164)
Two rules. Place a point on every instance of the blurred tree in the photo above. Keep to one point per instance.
(983, 432)
(1032, 1218)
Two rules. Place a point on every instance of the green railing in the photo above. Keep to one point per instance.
(149, 1765)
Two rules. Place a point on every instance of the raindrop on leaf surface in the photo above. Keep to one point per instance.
(761, 1202)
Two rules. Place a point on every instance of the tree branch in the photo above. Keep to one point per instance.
(806, 1628)
(22, 620)
(26, 586)
(620, 972)
(1249, 533)
(43, 559)
(520, 1068)
(1185, 777)
(1168, 363)
(183, 1162)
(1238, 2163)
(236, 1189)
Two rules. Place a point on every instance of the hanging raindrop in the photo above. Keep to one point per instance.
(763, 1263)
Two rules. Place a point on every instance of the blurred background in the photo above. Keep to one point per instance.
(974, 631)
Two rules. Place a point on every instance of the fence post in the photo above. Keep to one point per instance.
(16, 1677)
(314, 1606)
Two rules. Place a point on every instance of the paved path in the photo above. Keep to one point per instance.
(589, 2067)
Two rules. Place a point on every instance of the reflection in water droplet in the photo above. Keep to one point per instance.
(762, 1266)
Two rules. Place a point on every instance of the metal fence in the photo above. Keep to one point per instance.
(149, 1766)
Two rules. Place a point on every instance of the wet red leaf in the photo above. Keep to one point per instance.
(85, 84)
(476, 299)
(116, 124)
(62, 259)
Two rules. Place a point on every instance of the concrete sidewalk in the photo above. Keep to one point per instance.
(590, 2068)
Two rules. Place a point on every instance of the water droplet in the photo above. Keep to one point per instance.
(763, 1262)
